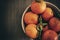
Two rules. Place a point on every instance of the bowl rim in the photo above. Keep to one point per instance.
(22, 23)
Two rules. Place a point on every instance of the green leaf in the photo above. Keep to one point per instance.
(45, 24)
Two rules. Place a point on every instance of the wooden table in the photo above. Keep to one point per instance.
(13, 10)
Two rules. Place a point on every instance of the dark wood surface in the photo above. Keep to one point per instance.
(12, 11)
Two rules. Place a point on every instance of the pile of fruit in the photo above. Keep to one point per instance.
(41, 22)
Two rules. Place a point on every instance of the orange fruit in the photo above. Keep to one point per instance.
(30, 18)
(48, 13)
(54, 24)
(49, 35)
(31, 30)
(53, 21)
(38, 7)
(57, 27)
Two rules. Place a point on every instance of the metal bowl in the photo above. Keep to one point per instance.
(55, 8)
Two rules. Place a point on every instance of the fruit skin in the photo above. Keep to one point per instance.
(49, 35)
(48, 13)
(31, 18)
(55, 24)
(31, 30)
(45, 28)
(57, 28)
(38, 8)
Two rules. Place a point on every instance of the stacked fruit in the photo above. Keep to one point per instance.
(40, 22)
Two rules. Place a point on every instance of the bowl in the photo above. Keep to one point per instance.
(55, 8)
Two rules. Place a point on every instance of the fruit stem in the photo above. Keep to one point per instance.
(44, 24)
(39, 1)
(40, 20)
(40, 27)
(40, 24)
